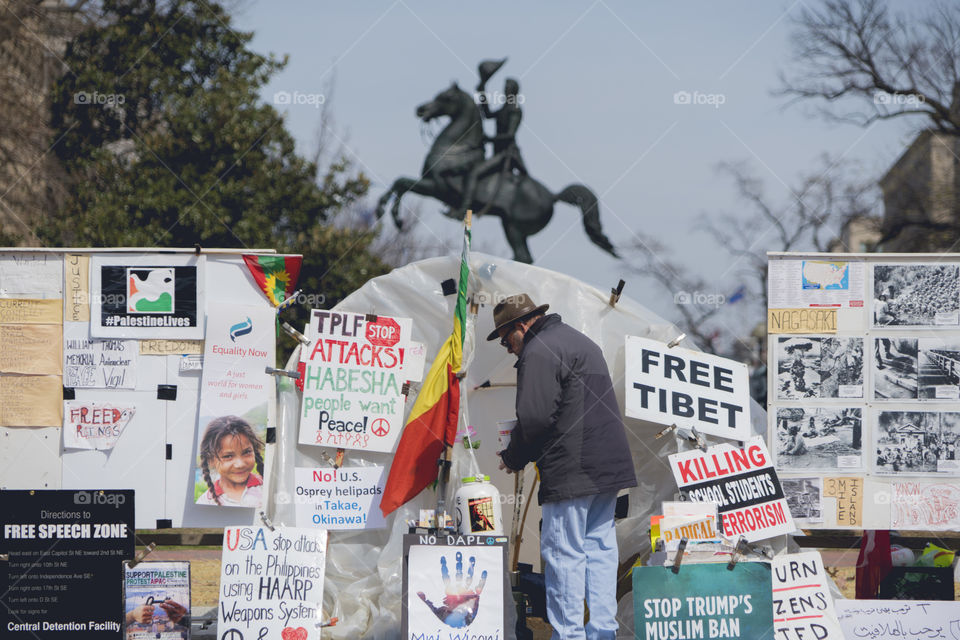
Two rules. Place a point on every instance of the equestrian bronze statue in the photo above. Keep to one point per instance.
(458, 172)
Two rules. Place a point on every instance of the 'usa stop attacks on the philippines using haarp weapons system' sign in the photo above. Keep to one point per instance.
(352, 377)
(687, 388)
(742, 482)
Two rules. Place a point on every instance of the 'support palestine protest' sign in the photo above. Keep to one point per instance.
(271, 583)
(335, 499)
(743, 483)
(352, 376)
(157, 601)
(687, 388)
(802, 604)
(146, 297)
(703, 601)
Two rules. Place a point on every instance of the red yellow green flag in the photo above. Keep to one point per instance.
(432, 424)
(276, 274)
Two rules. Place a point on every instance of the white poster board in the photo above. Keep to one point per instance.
(898, 619)
(687, 388)
(339, 499)
(802, 604)
(742, 482)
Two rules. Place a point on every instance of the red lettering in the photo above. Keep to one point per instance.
(231, 546)
(685, 474)
(756, 456)
(740, 459)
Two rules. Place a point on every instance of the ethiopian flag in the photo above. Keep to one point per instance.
(276, 275)
(432, 424)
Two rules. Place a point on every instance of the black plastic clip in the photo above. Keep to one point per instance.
(616, 291)
(371, 317)
(197, 249)
(678, 559)
(405, 388)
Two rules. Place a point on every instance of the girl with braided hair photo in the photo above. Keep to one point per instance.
(231, 463)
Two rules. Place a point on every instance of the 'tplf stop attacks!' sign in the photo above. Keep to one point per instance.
(352, 374)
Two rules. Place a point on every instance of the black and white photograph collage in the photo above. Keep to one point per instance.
(886, 402)
(804, 497)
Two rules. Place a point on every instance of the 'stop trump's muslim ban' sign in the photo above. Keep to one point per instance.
(687, 388)
(352, 375)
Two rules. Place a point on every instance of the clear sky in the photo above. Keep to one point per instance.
(598, 81)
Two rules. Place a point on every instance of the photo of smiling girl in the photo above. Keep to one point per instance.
(231, 464)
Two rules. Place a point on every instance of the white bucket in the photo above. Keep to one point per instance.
(504, 432)
(478, 507)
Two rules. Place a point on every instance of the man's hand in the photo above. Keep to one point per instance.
(142, 614)
(503, 466)
(175, 610)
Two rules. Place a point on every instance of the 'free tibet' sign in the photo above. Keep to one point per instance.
(687, 388)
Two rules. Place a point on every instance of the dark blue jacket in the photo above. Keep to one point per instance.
(568, 421)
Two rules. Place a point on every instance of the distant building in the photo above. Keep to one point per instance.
(921, 196)
(858, 235)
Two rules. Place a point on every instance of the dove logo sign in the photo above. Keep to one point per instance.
(240, 329)
(150, 290)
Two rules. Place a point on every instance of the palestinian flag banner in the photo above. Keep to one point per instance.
(276, 275)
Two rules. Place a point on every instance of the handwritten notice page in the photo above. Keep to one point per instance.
(899, 619)
(849, 495)
(802, 604)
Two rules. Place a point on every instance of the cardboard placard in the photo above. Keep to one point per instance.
(271, 583)
(802, 604)
(703, 601)
(743, 483)
(801, 321)
(849, 495)
(687, 388)
(31, 401)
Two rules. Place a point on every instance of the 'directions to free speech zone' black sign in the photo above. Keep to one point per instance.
(64, 578)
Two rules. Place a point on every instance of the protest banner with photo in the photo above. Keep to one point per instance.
(90, 363)
(802, 604)
(743, 483)
(454, 586)
(90, 424)
(62, 574)
(338, 499)
(157, 600)
(146, 297)
(237, 402)
(271, 583)
(687, 388)
(703, 601)
(898, 619)
(352, 376)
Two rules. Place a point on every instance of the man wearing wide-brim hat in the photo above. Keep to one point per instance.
(569, 424)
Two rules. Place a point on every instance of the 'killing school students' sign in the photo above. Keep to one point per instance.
(703, 602)
(687, 388)
(352, 375)
(742, 482)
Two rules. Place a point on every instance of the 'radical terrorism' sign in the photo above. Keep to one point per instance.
(703, 602)
(353, 373)
(743, 484)
(687, 388)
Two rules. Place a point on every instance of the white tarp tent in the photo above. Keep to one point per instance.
(363, 579)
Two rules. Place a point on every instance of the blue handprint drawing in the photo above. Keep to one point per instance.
(461, 599)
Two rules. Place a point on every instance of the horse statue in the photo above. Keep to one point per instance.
(523, 204)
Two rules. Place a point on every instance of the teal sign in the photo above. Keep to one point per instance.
(703, 602)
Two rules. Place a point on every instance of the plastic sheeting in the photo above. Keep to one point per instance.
(363, 578)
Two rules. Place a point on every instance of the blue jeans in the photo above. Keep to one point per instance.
(579, 547)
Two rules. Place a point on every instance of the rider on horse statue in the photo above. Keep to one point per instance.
(506, 154)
